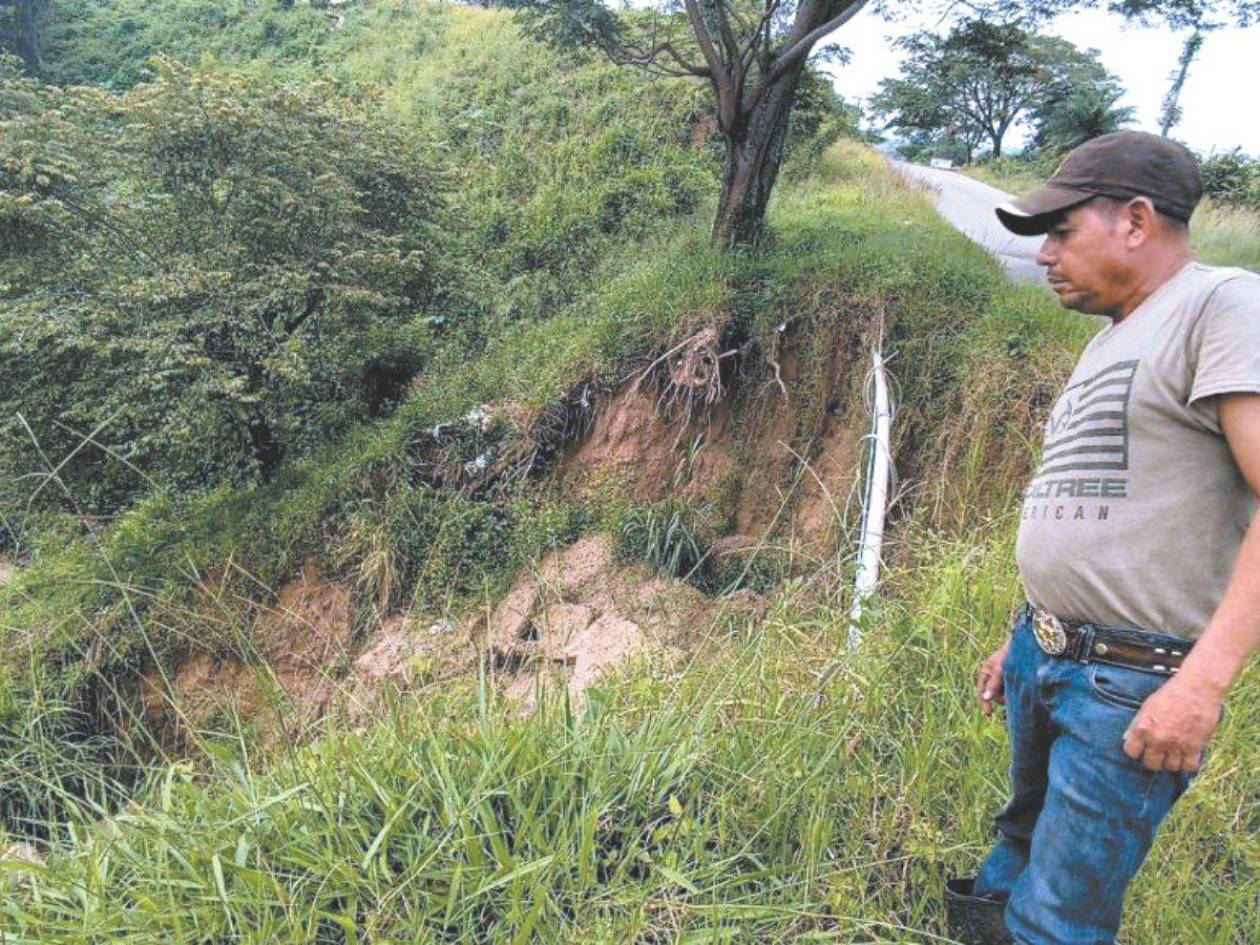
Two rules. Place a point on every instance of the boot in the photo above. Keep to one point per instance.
(974, 920)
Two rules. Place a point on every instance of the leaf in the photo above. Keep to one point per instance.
(678, 879)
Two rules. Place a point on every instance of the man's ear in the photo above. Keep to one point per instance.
(1141, 218)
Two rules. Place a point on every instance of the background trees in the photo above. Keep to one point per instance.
(752, 53)
(982, 79)
(1196, 17)
(22, 25)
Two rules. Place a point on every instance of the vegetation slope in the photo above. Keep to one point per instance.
(774, 789)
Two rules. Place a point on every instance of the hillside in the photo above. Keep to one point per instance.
(528, 624)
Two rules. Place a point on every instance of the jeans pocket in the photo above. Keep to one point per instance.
(1122, 687)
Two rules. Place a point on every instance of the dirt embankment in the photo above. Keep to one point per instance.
(577, 615)
(774, 453)
(778, 457)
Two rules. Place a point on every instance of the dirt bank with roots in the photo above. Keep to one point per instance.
(766, 437)
(777, 453)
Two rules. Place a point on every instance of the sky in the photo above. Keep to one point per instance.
(1218, 100)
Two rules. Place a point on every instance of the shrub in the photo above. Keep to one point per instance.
(1231, 177)
(201, 278)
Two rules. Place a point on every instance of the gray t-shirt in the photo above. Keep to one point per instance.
(1136, 513)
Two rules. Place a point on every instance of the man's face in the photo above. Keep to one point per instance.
(1086, 260)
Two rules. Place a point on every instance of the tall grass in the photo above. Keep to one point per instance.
(780, 790)
(1226, 236)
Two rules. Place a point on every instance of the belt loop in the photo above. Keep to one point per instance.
(1085, 644)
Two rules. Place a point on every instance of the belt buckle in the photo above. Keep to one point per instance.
(1050, 633)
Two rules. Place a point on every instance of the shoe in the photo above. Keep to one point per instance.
(974, 920)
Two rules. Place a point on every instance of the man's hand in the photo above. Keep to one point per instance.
(990, 686)
(1172, 729)
(1173, 726)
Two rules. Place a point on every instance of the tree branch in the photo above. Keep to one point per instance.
(801, 48)
(647, 59)
(698, 26)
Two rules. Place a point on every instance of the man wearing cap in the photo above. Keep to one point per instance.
(1137, 547)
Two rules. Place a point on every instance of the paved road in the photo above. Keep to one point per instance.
(968, 204)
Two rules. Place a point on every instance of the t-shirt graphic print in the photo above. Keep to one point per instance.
(1136, 510)
(1086, 450)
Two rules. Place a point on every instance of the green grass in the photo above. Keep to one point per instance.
(1011, 177)
(1226, 236)
(778, 791)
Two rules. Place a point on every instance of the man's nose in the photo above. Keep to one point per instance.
(1045, 255)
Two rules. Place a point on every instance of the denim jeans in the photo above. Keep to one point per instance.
(1083, 814)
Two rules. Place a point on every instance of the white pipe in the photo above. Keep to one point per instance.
(876, 500)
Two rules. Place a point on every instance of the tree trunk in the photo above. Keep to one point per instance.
(754, 151)
(1170, 111)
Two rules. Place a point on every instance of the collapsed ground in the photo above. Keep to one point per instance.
(549, 641)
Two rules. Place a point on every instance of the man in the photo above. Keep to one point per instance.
(1137, 547)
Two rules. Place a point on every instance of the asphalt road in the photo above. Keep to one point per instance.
(968, 204)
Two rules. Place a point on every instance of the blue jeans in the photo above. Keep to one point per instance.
(1083, 814)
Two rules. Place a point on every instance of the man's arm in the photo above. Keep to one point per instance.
(1173, 727)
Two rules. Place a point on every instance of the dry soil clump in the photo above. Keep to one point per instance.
(582, 613)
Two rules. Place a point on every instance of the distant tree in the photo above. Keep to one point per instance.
(1086, 107)
(1177, 14)
(22, 25)
(980, 80)
(1198, 16)
(1169, 109)
(751, 52)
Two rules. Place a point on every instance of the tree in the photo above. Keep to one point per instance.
(1085, 106)
(980, 80)
(22, 25)
(1197, 16)
(1086, 112)
(1169, 110)
(751, 52)
(201, 278)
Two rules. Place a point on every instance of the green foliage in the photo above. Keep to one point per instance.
(982, 79)
(1226, 234)
(23, 24)
(1175, 14)
(109, 42)
(1080, 112)
(775, 792)
(670, 535)
(202, 277)
(1231, 177)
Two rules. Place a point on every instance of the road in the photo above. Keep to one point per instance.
(968, 204)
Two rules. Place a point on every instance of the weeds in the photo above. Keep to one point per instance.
(669, 535)
(776, 791)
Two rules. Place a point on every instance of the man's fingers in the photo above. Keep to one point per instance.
(1155, 759)
(1134, 744)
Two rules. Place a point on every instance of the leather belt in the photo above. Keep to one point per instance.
(1118, 646)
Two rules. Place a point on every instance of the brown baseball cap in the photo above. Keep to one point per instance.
(1124, 165)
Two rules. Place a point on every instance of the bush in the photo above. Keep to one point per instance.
(1231, 177)
(201, 278)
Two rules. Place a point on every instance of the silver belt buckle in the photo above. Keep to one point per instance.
(1049, 632)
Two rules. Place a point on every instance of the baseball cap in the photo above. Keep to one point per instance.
(1124, 165)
